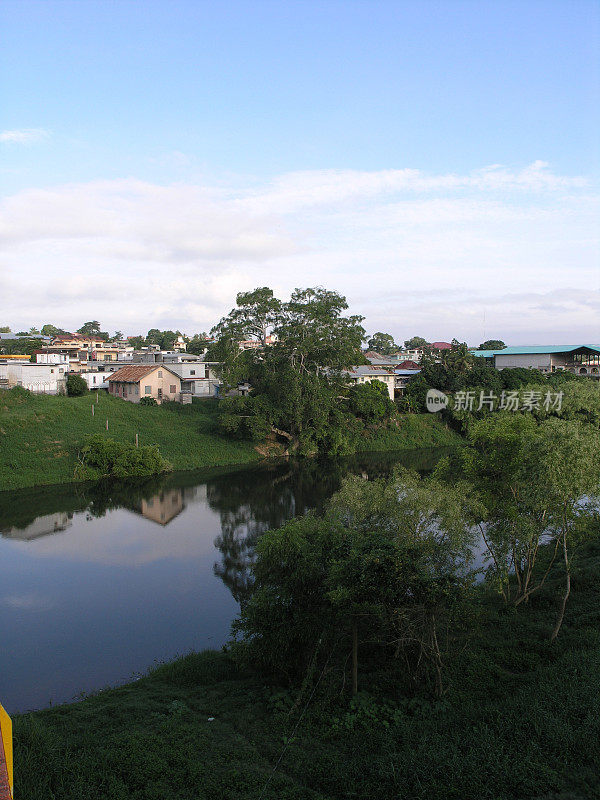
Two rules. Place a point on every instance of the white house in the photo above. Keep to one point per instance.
(368, 373)
(39, 378)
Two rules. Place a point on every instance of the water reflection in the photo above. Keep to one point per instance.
(97, 581)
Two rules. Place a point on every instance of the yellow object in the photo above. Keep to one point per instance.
(24, 357)
(6, 730)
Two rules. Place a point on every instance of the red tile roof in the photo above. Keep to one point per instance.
(408, 365)
(441, 345)
(135, 374)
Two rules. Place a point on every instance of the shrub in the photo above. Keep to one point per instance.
(102, 457)
(148, 401)
(76, 385)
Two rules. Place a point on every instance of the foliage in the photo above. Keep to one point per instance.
(40, 435)
(92, 328)
(148, 401)
(388, 558)
(76, 385)
(382, 343)
(256, 315)
(415, 342)
(299, 390)
(492, 344)
(51, 330)
(532, 478)
(102, 457)
(370, 402)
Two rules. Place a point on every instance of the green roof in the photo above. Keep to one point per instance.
(537, 349)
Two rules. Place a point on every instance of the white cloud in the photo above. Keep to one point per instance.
(24, 135)
(138, 255)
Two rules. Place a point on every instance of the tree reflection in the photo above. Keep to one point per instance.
(257, 500)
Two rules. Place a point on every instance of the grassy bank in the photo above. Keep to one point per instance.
(520, 719)
(40, 435)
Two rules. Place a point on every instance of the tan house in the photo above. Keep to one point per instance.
(148, 380)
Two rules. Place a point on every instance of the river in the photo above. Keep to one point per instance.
(98, 583)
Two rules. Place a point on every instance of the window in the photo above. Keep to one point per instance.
(206, 372)
(172, 389)
(51, 370)
(147, 390)
(160, 373)
(61, 370)
(160, 394)
(192, 372)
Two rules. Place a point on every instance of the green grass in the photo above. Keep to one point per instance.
(414, 431)
(520, 719)
(40, 435)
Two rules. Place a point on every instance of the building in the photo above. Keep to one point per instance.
(85, 349)
(402, 379)
(98, 379)
(148, 380)
(369, 373)
(38, 378)
(581, 359)
(198, 378)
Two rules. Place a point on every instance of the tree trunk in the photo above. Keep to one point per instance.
(567, 591)
(354, 657)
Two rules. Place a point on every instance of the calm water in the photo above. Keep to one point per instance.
(97, 583)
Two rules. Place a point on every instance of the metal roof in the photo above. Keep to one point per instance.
(536, 349)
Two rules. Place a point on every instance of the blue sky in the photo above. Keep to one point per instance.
(184, 151)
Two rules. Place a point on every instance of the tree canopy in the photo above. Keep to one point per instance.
(382, 343)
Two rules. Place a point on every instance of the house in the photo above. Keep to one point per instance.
(198, 378)
(368, 373)
(38, 378)
(84, 349)
(145, 380)
(403, 377)
(581, 359)
(98, 379)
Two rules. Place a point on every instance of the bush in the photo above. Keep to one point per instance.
(76, 385)
(148, 401)
(104, 458)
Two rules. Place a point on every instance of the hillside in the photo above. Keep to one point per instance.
(40, 434)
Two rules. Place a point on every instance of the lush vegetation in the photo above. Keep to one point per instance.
(519, 718)
(76, 385)
(42, 435)
(102, 457)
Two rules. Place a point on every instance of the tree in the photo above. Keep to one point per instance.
(299, 387)
(51, 330)
(76, 385)
(4, 329)
(380, 569)
(198, 344)
(256, 315)
(492, 344)
(415, 342)
(92, 329)
(382, 343)
(533, 479)
(117, 337)
(137, 342)
(34, 331)
(370, 401)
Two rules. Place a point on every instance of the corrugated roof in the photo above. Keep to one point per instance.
(535, 350)
(135, 374)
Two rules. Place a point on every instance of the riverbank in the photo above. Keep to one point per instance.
(40, 435)
(520, 719)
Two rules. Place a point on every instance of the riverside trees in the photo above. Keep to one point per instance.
(300, 392)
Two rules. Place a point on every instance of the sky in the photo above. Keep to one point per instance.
(438, 163)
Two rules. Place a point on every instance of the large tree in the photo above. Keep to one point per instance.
(255, 316)
(299, 388)
(492, 344)
(382, 343)
(415, 342)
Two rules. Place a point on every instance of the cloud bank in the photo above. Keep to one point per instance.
(495, 252)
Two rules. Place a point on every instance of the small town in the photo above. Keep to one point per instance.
(300, 400)
(128, 371)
